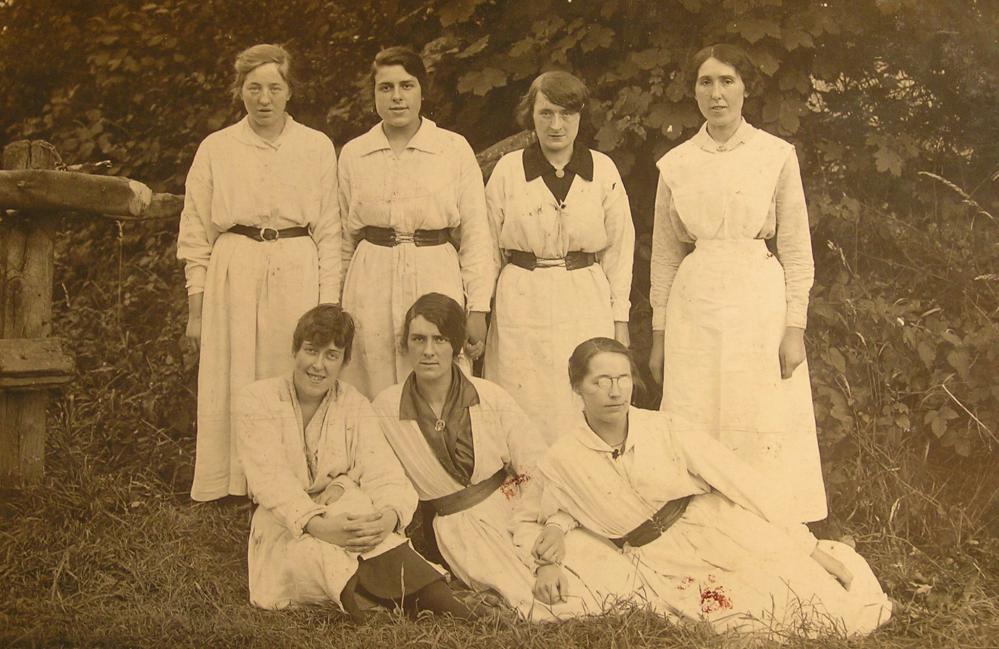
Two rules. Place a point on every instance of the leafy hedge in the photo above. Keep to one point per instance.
(902, 339)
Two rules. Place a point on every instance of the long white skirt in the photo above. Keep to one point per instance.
(478, 546)
(381, 284)
(723, 565)
(725, 319)
(539, 318)
(255, 292)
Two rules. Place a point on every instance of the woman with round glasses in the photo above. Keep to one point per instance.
(562, 223)
(705, 537)
(260, 241)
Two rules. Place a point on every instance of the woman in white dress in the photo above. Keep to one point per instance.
(260, 239)
(333, 500)
(470, 452)
(414, 222)
(705, 537)
(728, 316)
(562, 222)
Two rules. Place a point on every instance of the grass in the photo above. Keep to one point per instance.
(101, 559)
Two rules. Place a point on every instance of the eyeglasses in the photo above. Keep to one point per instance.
(623, 382)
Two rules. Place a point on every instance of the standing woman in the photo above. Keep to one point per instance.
(260, 239)
(561, 217)
(414, 222)
(728, 316)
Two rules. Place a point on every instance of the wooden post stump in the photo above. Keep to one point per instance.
(30, 362)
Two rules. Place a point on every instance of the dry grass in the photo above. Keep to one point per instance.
(93, 559)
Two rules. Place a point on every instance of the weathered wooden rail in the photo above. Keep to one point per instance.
(32, 192)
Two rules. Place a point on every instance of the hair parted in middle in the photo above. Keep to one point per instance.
(732, 55)
(560, 87)
(441, 311)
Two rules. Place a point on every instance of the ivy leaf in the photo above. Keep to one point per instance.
(887, 160)
(597, 37)
(766, 62)
(754, 29)
(481, 81)
(788, 116)
(795, 38)
(608, 137)
(926, 353)
(474, 48)
(837, 360)
(649, 59)
(456, 11)
(960, 360)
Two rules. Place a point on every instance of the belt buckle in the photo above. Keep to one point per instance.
(404, 237)
(264, 236)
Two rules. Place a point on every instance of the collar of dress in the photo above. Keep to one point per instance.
(428, 138)
(245, 134)
(742, 135)
(583, 434)
(536, 165)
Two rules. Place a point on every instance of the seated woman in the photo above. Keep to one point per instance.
(332, 496)
(704, 535)
(470, 451)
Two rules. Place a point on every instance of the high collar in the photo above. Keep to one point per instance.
(245, 133)
(588, 438)
(742, 135)
(536, 164)
(429, 138)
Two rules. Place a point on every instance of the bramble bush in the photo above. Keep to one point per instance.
(902, 336)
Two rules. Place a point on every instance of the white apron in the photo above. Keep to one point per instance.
(724, 322)
(255, 292)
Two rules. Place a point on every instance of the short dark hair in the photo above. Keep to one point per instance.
(730, 55)
(253, 57)
(442, 311)
(407, 58)
(562, 88)
(322, 325)
(579, 362)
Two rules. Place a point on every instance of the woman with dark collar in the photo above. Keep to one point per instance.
(470, 452)
(562, 223)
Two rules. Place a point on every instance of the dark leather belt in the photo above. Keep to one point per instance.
(653, 528)
(468, 497)
(269, 234)
(389, 237)
(572, 261)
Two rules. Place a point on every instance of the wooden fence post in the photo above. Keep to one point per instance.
(30, 362)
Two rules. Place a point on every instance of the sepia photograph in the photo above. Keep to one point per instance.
(494, 323)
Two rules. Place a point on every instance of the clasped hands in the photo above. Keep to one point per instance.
(354, 532)
(550, 584)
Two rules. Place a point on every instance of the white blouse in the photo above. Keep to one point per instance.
(350, 450)
(594, 217)
(747, 188)
(435, 183)
(238, 177)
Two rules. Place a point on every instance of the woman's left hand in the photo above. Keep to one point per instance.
(621, 333)
(549, 546)
(792, 351)
(475, 337)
